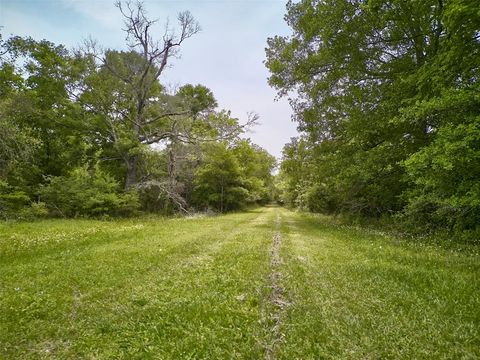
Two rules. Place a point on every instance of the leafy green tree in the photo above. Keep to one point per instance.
(38, 115)
(349, 62)
(12, 200)
(198, 99)
(218, 181)
(445, 176)
(256, 166)
(295, 172)
(375, 83)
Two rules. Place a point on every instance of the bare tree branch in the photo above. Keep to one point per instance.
(166, 190)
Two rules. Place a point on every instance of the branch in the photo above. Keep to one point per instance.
(166, 189)
(188, 138)
(172, 113)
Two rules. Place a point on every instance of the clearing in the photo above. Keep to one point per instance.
(264, 284)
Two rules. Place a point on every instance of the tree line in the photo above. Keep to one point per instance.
(93, 132)
(387, 101)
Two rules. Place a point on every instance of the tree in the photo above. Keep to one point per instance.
(136, 113)
(376, 81)
(256, 166)
(41, 132)
(133, 110)
(445, 190)
(87, 121)
(218, 182)
(198, 99)
(233, 174)
(36, 78)
(295, 172)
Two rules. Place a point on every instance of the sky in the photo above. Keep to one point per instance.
(226, 56)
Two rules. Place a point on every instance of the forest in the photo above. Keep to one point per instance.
(386, 96)
(92, 131)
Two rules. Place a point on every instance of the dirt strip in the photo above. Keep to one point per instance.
(277, 295)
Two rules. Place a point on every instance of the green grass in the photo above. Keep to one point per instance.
(361, 295)
(200, 288)
(134, 289)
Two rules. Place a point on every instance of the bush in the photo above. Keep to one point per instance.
(319, 199)
(84, 193)
(12, 201)
(15, 204)
(445, 177)
(36, 210)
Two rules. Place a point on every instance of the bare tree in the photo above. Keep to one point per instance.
(136, 101)
(143, 75)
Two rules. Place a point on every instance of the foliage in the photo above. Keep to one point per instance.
(256, 166)
(219, 183)
(12, 200)
(131, 107)
(379, 88)
(16, 204)
(294, 170)
(198, 99)
(84, 193)
(232, 176)
(63, 112)
(446, 190)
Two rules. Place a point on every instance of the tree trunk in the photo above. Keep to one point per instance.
(172, 166)
(131, 175)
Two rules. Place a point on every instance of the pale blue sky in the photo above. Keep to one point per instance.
(226, 56)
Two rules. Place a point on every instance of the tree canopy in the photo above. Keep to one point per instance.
(385, 94)
(94, 132)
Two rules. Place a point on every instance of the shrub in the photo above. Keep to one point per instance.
(445, 174)
(12, 201)
(36, 210)
(84, 193)
(15, 204)
(319, 199)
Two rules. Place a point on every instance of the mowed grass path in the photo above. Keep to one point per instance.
(167, 289)
(363, 295)
(200, 288)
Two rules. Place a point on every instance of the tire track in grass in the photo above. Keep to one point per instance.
(277, 298)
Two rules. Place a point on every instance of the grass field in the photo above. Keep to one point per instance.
(263, 284)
